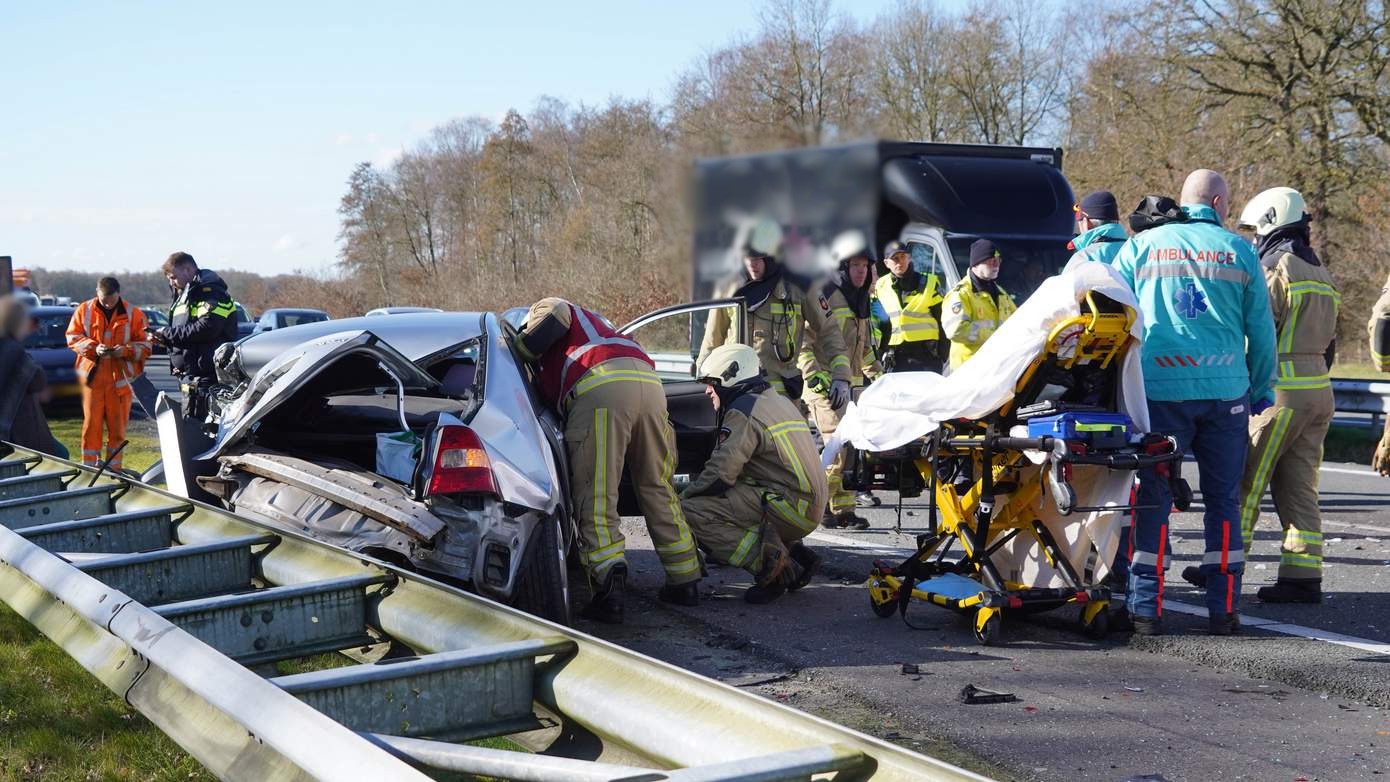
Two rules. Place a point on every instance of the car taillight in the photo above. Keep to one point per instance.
(461, 464)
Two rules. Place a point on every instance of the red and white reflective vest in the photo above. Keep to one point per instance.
(588, 343)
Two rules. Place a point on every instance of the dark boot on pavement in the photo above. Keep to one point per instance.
(1147, 625)
(1194, 576)
(850, 520)
(830, 520)
(807, 559)
(687, 594)
(1223, 624)
(607, 603)
(778, 571)
(1286, 590)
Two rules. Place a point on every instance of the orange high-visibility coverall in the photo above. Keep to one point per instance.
(106, 392)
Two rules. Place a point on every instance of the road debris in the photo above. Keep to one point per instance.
(971, 695)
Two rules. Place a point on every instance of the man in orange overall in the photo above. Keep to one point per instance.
(109, 339)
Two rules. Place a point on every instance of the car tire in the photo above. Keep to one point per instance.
(542, 587)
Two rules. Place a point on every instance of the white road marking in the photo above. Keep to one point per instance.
(1345, 471)
(1308, 633)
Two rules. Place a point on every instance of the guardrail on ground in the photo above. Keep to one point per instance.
(1362, 396)
(181, 608)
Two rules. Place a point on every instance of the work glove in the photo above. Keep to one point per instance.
(1260, 405)
(1380, 462)
(839, 394)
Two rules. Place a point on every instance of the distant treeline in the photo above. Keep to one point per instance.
(256, 292)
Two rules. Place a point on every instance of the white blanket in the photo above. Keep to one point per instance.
(900, 407)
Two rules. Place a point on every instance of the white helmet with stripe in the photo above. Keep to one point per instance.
(728, 365)
(1271, 209)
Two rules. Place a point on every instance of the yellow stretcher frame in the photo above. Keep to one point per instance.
(1095, 338)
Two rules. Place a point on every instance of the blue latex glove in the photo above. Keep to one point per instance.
(1260, 406)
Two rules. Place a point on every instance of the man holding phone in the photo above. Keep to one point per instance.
(108, 336)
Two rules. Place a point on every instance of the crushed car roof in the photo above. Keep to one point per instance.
(415, 335)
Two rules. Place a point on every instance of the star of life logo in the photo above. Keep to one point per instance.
(1190, 301)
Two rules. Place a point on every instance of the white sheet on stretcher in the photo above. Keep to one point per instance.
(900, 407)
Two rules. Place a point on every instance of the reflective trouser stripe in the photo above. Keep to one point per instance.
(748, 548)
(1268, 455)
(601, 520)
(1294, 536)
(793, 516)
(1223, 559)
(1293, 559)
(1144, 558)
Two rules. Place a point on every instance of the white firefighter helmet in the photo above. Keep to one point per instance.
(850, 244)
(729, 365)
(765, 237)
(1271, 209)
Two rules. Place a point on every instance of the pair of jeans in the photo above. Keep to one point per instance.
(1215, 432)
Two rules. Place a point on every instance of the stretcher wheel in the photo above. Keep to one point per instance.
(1098, 626)
(988, 626)
(883, 610)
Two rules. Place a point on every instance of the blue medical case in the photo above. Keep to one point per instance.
(1097, 429)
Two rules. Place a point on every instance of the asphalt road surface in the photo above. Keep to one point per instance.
(1302, 694)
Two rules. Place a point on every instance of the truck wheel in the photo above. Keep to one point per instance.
(542, 586)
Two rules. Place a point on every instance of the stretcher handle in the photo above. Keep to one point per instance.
(1023, 443)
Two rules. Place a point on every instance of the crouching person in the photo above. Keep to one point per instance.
(763, 489)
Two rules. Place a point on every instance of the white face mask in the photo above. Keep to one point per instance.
(985, 271)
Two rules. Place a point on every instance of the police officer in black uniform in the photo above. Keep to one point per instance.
(200, 319)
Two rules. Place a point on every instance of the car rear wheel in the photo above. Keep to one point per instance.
(542, 585)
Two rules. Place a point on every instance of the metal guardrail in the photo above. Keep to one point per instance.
(167, 602)
(1362, 396)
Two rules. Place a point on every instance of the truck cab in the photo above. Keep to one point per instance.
(936, 197)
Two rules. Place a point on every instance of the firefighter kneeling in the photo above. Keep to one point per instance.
(763, 489)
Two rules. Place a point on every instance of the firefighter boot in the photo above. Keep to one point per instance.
(851, 520)
(778, 570)
(1288, 590)
(807, 559)
(1223, 624)
(687, 594)
(607, 603)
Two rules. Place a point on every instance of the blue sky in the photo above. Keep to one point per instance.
(134, 129)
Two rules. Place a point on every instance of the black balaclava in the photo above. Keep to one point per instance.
(859, 299)
(1291, 238)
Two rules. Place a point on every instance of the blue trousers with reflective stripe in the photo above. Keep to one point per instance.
(1215, 432)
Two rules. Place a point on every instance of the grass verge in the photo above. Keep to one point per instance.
(57, 722)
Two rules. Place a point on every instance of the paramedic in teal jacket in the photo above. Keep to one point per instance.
(1099, 235)
(1208, 362)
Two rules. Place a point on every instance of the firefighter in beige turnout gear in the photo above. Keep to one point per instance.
(606, 389)
(1378, 329)
(763, 489)
(850, 297)
(780, 308)
(975, 308)
(1286, 439)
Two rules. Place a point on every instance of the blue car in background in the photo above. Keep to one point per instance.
(48, 346)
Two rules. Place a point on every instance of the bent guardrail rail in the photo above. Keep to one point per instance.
(168, 601)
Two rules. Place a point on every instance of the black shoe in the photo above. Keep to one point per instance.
(809, 562)
(687, 594)
(1292, 591)
(607, 603)
(1223, 624)
(866, 499)
(779, 570)
(851, 520)
(1147, 625)
(1194, 576)
(830, 520)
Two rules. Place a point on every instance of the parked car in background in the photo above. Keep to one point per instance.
(284, 317)
(48, 346)
(158, 320)
(245, 324)
(399, 311)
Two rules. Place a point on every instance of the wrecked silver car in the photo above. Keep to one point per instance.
(414, 439)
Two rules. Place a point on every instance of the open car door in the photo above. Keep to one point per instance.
(672, 337)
